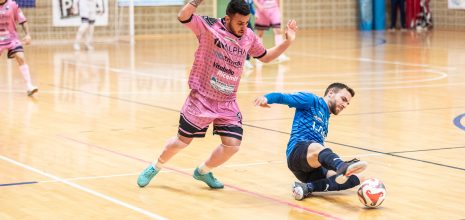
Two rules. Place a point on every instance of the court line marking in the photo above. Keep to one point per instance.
(191, 169)
(174, 110)
(431, 149)
(246, 81)
(366, 149)
(85, 189)
(258, 195)
(18, 183)
(457, 122)
(375, 61)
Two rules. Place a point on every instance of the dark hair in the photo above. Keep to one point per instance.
(237, 6)
(338, 86)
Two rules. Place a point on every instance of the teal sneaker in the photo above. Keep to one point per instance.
(208, 178)
(146, 176)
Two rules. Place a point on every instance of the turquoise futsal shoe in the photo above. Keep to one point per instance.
(146, 176)
(208, 178)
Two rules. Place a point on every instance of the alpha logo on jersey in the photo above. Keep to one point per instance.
(229, 61)
(235, 50)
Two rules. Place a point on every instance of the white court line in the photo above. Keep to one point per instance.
(103, 196)
(190, 169)
(162, 171)
(375, 61)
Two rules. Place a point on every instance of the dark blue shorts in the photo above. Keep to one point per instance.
(297, 163)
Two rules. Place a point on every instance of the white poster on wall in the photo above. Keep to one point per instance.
(68, 12)
(151, 2)
(456, 4)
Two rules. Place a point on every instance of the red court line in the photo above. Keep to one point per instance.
(255, 194)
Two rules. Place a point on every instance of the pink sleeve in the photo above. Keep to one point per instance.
(19, 16)
(195, 23)
(257, 50)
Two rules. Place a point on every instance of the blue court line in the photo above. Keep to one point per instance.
(458, 123)
(20, 183)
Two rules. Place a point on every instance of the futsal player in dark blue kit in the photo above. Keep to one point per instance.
(317, 167)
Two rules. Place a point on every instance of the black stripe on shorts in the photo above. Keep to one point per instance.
(187, 129)
(228, 131)
(12, 52)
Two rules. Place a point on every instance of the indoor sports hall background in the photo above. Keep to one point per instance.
(75, 149)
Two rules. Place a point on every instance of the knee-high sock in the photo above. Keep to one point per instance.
(90, 34)
(329, 160)
(24, 69)
(82, 29)
(329, 184)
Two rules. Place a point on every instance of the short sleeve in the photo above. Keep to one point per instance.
(257, 50)
(196, 24)
(19, 16)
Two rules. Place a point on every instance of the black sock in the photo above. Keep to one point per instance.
(329, 160)
(329, 184)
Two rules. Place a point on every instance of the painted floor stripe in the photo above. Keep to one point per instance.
(82, 188)
(19, 183)
(255, 194)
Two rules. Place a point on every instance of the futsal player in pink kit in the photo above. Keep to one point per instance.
(214, 79)
(10, 15)
(88, 12)
(268, 15)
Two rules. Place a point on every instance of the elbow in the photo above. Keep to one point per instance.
(179, 16)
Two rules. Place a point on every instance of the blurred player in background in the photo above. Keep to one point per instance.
(10, 15)
(268, 15)
(87, 11)
(214, 79)
(316, 165)
(248, 64)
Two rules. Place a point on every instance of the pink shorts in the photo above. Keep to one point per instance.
(199, 112)
(13, 47)
(267, 18)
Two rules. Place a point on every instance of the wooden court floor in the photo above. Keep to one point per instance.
(74, 151)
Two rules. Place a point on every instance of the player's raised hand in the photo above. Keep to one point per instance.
(262, 102)
(291, 30)
(27, 39)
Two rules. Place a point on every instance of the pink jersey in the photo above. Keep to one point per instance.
(267, 4)
(10, 14)
(220, 57)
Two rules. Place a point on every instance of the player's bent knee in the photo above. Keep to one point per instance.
(176, 142)
(231, 149)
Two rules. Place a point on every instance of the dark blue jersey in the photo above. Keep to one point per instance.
(310, 119)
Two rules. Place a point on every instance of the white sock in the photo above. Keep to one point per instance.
(204, 169)
(157, 166)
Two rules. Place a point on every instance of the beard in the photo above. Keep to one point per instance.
(234, 31)
(333, 107)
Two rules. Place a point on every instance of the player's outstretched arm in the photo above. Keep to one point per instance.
(186, 12)
(290, 35)
(262, 102)
(27, 38)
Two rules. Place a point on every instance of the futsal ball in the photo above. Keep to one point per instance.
(372, 193)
